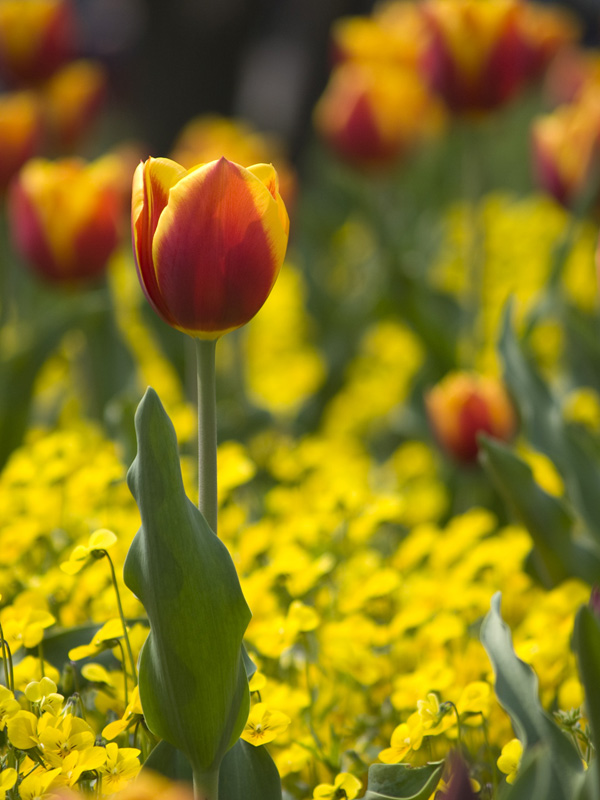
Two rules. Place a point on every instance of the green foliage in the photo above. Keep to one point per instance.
(552, 764)
(193, 684)
(402, 782)
(549, 520)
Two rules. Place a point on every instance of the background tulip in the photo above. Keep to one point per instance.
(20, 132)
(465, 404)
(209, 242)
(65, 216)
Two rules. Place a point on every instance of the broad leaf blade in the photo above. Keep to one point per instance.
(517, 692)
(250, 773)
(586, 643)
(193, 684)
(401, 782)
(547, 518)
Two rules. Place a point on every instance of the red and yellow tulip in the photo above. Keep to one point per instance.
(73, 97)
(209, 241)
(473, 57)
(464, 404)
(66, 216)
(371, 114)
(566, 149)
(36, 37)
(20, 132)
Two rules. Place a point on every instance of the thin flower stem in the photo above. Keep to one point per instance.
(124, 674)
(207, 431)
(206, 785)
(122, 616)
(41, 655)
(4, 658)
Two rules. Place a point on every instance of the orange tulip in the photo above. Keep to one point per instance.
(465, 404)
(371, 114)
(20, 132)
(66, 216)
(73, 98)
(36, 37)
(209, 241)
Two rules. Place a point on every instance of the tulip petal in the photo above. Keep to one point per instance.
(218, 248)
(152, 182)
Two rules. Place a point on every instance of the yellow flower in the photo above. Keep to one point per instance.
(44, 694)
(133, 713)
(345, 785)
(103, 639)
(8, 778)
(99, 541)
(80, 761)
(22, 730)
(121, 767)
(434, 717)
(8, 706)
(264, 724)
(475, 699)
(35, 785)
(510, 759)
(406, 737)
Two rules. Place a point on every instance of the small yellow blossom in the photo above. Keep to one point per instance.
(99, 540)
(406, 737)
(43, 693)
(344, 785)
(103, 639)
(264, 724)
(121, 767)
(510, 759)
(8, 706)
(133, 713)
(8, 778)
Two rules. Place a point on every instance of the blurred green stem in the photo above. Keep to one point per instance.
(206, 785)
(207, 431)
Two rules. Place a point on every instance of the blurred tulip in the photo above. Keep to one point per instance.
(371, 114)
(474, 56)
(210, 136)
(66, 216)
(464, 404)
(209, 241)
(394, 34)
(566, 149)
(73, 97)
(20, 132)
(571, 74)
(36, 37)
(545, 31)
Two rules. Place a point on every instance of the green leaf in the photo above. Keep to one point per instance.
(577, 459)
(193, 685)
(249, 773)
(401, 782)
(170, 762)
(517, 692)
(547, 518)
(586, 644)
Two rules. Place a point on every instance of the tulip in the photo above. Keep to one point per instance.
(566, 149)
(20, 132)
(65, 216)
(73, 98)
(465, 404)
(372, 114)
(36, 37)
(545, 32)
(209, 136)
(474, 56)
(209, 241)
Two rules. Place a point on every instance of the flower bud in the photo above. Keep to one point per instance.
(36, 37)
(20, 132)
(209, 241)
(65, 216)
(371, 114)
(465, 404)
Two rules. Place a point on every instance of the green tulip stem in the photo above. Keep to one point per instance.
(206, 785)
(207, 431)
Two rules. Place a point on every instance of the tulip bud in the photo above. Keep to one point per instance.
(36, 37)
(371, 114)
(473, 57)
(73, 97)
(20, 132)
(65, 216)
(209, 241)
(566, 149)
(465, 404)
